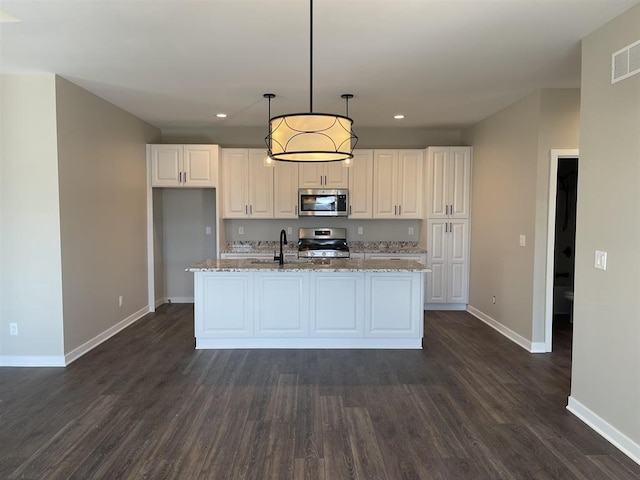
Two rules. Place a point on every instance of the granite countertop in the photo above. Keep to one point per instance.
(307, 265)
(354, 247)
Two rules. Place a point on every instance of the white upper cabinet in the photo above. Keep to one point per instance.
(397, 184)
(449, 180)
(285, 186)
(246, 183)
(184, 165)
(323, 175)
(361, 185)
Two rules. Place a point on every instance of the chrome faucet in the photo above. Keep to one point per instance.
(283, 241)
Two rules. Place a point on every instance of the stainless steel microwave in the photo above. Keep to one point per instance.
(323, 202)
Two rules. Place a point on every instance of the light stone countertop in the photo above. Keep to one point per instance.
(354, 247)
(308, 265)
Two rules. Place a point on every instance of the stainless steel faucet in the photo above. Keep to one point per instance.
(283, 241)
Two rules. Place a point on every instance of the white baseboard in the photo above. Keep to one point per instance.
(32, 361)
(307, 342)
(608, 431)
(446, 306)
(535, 347)
(179, 300)
(104, 336)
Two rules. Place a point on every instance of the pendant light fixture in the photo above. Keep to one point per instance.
(310, 137)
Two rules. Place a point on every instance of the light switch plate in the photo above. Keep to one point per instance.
(410, 230)
(240, 230)
(601, 260)
(523, 240)
(359, 230)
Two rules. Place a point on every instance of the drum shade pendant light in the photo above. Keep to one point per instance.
(310, 137)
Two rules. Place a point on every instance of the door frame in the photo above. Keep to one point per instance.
(554, 156)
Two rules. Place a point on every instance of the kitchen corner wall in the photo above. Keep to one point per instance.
(510, 198)
(103, 208)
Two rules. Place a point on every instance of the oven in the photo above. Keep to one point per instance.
(322, 243)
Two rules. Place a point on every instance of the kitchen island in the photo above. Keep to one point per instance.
(337, 303)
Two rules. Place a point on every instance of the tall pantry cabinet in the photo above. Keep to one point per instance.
(448, 215)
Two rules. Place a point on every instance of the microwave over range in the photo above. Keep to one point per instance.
(313, 202)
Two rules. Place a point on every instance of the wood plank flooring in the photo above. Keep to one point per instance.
(146, 405)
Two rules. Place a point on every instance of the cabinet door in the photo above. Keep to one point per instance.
(166, 165)
(458, 262)
(385, 183)
(199, 166)
(410, 181)
(223, 305)
(235, 184)
(311, 175)
(460, 181)
(438, 175)
(438, 231)
(361, 185)
(394, 303)
(282, 304)
(337, 305)
(285, 190)
(336, 175)
(260, 188)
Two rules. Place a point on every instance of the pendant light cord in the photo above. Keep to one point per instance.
(310, 56)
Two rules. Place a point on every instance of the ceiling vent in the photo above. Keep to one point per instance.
(625, 62)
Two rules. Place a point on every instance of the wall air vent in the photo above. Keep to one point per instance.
(625, 62)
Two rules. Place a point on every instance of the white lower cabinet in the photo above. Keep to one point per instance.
(448, 257)
(394, 306)
(418, 257)
(282, 304)
(223, 305)
(337, 305)
(272, 309)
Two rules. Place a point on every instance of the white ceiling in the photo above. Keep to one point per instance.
(176, 63)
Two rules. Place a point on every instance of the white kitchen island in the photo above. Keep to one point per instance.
(340, 303)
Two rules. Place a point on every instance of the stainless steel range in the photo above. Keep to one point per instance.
(322, 243)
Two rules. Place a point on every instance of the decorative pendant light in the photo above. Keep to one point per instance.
(310, 137)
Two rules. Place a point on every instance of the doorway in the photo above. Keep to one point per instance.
(563, 181)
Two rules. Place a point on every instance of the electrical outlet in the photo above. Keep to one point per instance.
(289, 231)
(120, 300)
(359, 230)
(240, 230)
(207, 230)
(523, 240)
(601, 260)
(410, 230)
(493, 299)
(13, 329)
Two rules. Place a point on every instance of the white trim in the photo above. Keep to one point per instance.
(150, 252)
(104, 336)
(32, 361)
(618, 439)
(179, 300)
(361, 343)
(507, 332)
(554, 155)
(446, 306)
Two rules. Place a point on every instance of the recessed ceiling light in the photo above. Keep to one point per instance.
(398, 117)
(221, 115)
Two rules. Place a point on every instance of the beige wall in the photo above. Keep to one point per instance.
(510, 198)
(102, 175)
(606, 353)
(30, 268)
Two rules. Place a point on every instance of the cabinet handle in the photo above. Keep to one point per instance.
(446, 227)
(399, 209)
(349, 209)
(179, 177)
(320, 179)
(246, 210)
(250, 209)
(446, 210)
(184, 177)
(395, 210)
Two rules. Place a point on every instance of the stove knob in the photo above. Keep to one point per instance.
(324, 254)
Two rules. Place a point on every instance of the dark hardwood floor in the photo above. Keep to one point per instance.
(146, 405)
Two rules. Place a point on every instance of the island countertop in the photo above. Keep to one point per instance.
(308, 265)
